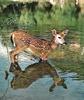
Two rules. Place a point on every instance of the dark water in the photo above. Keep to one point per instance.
(37, 89)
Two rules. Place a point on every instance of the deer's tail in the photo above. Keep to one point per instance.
(12, 39)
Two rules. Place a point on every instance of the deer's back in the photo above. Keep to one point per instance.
(23, 38)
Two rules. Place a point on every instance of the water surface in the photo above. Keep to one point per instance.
(39, 89)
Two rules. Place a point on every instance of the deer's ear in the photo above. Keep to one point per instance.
(54, 32)
(64, 33)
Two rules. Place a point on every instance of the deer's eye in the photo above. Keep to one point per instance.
(59, 37)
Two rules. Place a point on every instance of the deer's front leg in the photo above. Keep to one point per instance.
(44, 56)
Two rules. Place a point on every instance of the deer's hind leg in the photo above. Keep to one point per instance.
(14, 54)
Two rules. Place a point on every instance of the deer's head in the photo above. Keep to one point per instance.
(59, 36)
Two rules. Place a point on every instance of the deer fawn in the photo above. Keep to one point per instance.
(25, 42)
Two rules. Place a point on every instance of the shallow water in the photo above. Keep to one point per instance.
(39, 89)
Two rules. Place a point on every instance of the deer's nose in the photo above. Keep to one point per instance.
(65, 43)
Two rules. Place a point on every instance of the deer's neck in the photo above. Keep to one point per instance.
(53, 44)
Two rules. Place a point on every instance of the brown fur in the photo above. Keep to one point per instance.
(23, 41)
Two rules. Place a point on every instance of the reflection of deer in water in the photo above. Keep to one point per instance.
(23, 79)
(25, 42)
